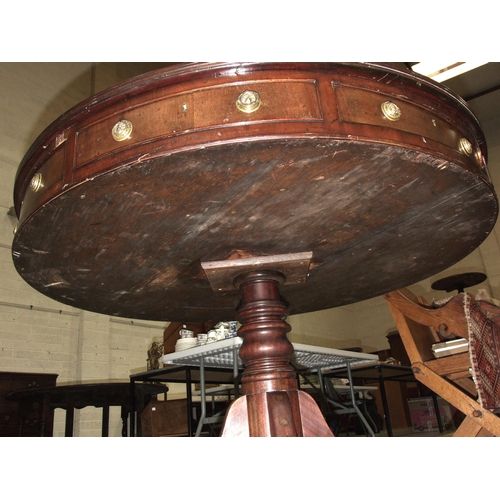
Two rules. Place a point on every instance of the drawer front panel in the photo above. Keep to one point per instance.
(214, 107)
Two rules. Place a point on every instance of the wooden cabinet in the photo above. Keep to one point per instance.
(9, 412)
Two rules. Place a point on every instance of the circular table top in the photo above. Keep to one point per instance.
(378, 174)
(458, 282)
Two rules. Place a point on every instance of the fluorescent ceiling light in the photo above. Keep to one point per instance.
(444, 71)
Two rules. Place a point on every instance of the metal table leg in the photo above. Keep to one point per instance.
(203, 401)
(189, 402)
(353, 399)
(385, 405)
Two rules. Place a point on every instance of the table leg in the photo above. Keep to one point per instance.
(353, 399)
(22, 412)
(189, 402)
(70, 413)
(272, 404)
(105, 421)
(320, 381)
(385, 404)
(203, 402)
(45, 413)
(124, 414)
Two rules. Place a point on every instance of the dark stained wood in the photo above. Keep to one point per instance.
(271, 404)
(71, 396)
(122, 228)
(264, 331)
(458, 282)
(222, 274)
(11, 416)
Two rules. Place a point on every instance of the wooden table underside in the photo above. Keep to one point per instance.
(122, 228)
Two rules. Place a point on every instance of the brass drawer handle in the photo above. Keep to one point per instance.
(36, 182)
(122, 130)
(248, 101)
(464, 146)
(391, 111)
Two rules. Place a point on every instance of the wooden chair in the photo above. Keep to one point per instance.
(450, 377)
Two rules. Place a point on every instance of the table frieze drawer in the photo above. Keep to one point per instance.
(214, 107)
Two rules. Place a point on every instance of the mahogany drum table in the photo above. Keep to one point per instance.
(203, 191)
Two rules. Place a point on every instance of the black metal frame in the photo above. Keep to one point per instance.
(180, 374)
(382, 373)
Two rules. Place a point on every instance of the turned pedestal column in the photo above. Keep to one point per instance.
(272, 404)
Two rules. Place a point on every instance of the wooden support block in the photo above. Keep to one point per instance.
(221, 274)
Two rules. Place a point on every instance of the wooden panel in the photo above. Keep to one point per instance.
(362, 106)
(164, 418)
(52, 174)
(397, 401)
(197, 110)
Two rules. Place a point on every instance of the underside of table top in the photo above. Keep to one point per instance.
(123, 227)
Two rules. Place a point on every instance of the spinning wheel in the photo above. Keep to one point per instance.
(201, 192)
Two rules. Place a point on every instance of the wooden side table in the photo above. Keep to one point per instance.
(77, 396)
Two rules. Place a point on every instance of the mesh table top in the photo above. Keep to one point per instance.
(220, 355)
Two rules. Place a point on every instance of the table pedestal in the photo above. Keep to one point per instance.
(272, 404)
